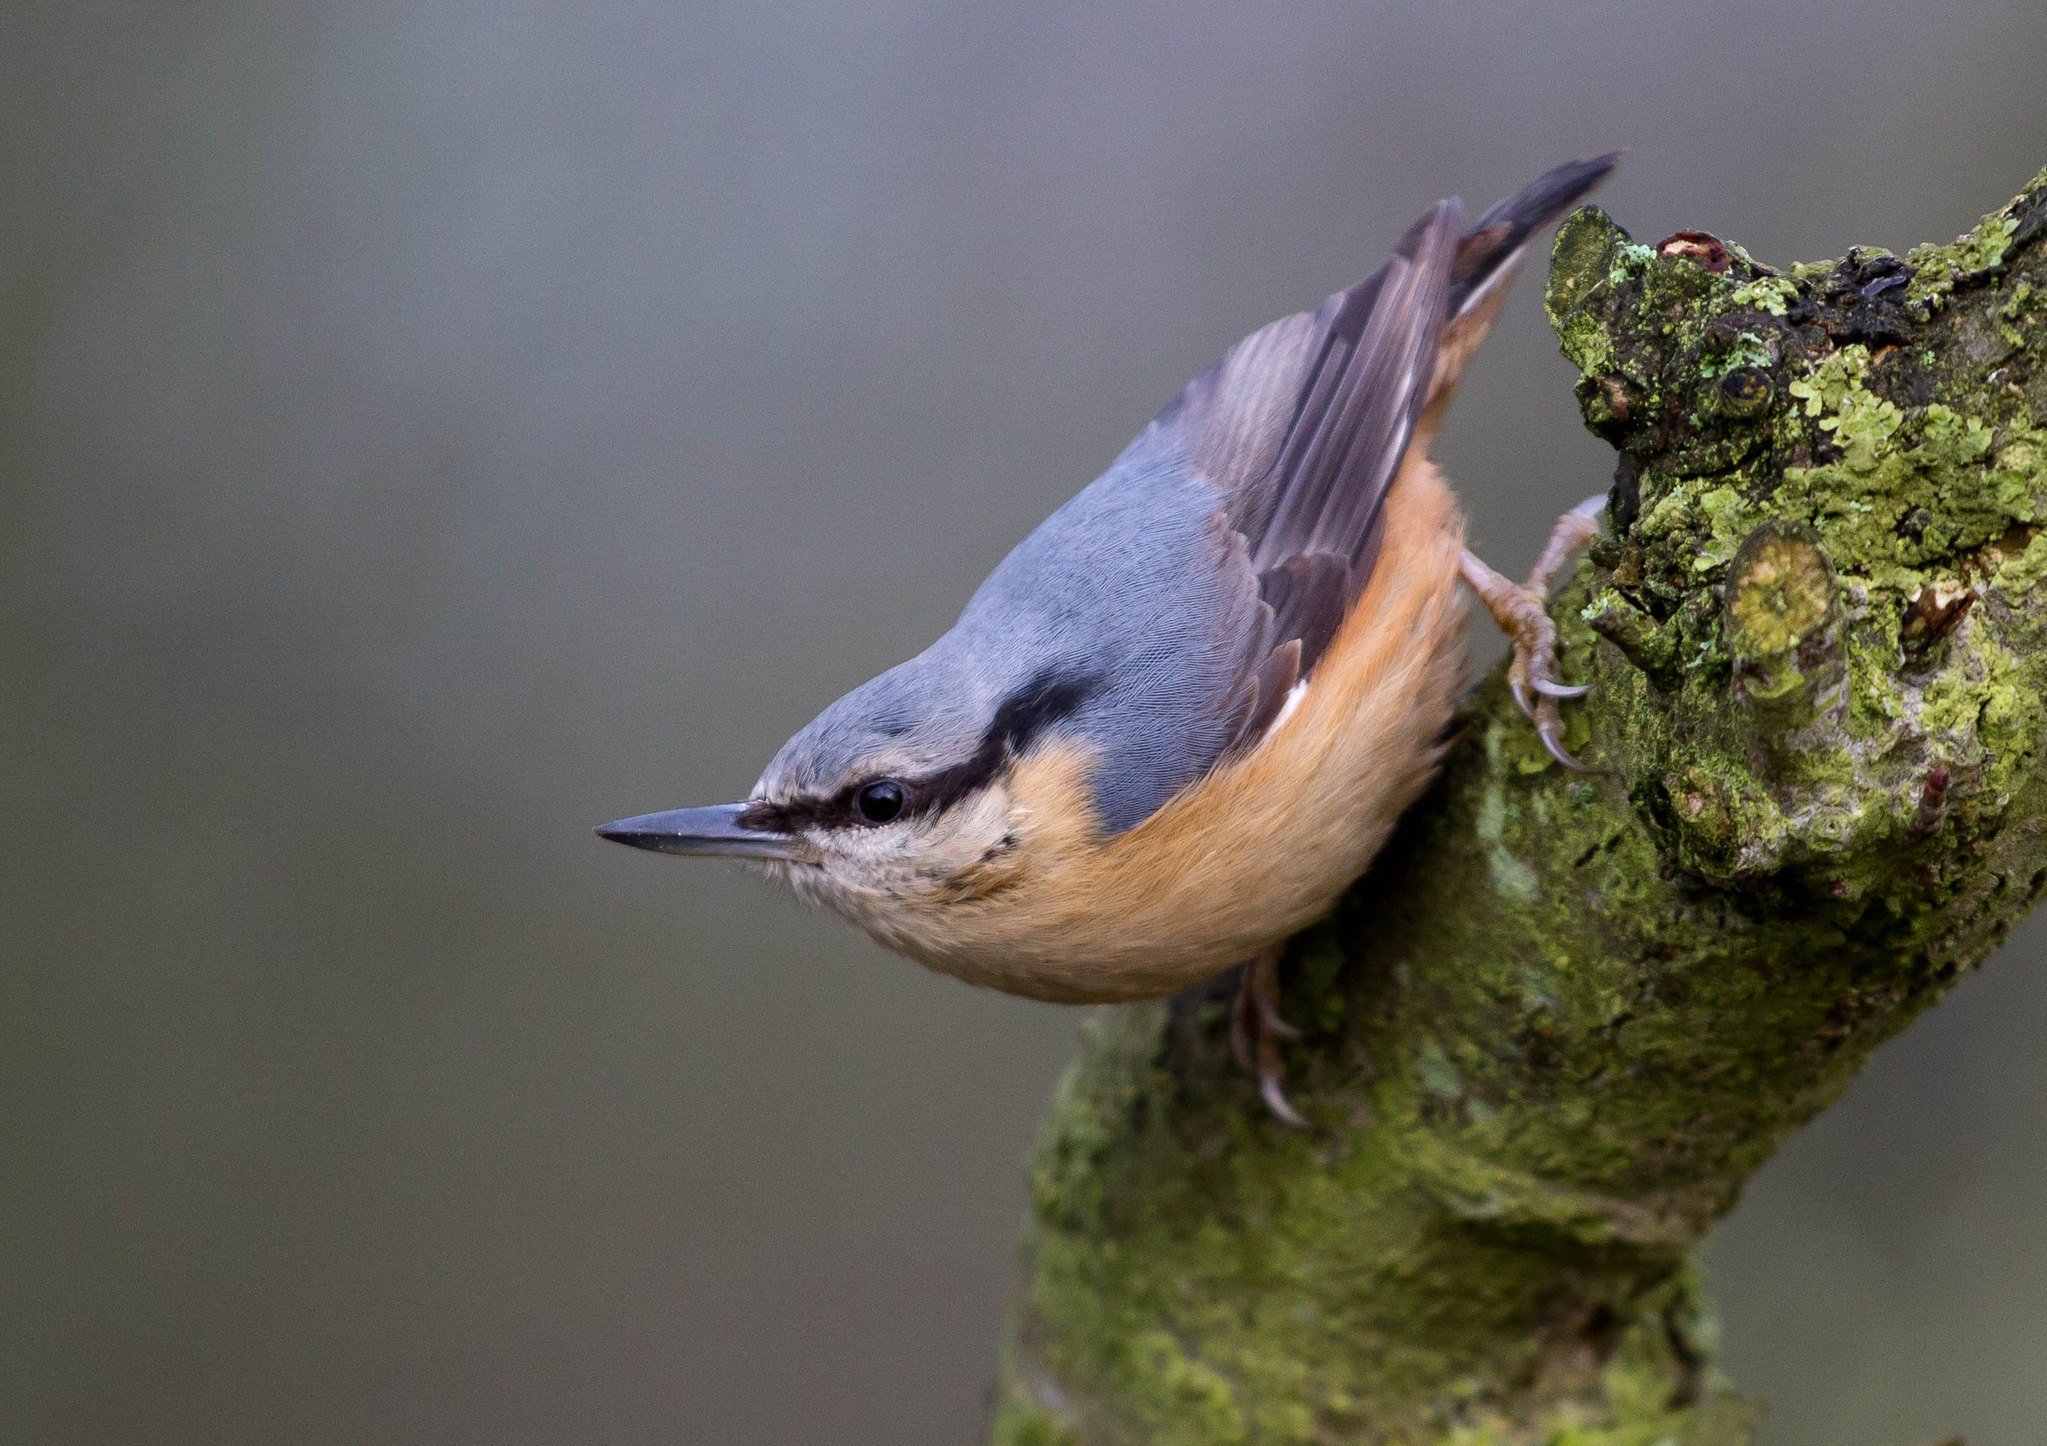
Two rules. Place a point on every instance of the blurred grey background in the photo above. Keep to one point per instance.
(428, 429)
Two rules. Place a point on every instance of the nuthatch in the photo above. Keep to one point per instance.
(1182, 716)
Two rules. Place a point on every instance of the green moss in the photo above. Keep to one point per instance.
(1068, 1168)
(1019, 1423)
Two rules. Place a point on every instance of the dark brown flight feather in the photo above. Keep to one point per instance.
(1305, 424)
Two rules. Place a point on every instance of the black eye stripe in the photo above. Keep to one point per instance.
(1026, 713)
(1048, 698)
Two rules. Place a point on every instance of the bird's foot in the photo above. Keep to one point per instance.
(1256, 1029)
(1522, 612)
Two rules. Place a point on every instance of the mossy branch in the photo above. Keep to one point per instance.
(1565, 1018)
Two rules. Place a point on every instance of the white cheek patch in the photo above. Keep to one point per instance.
(876, 847)
(901, 863)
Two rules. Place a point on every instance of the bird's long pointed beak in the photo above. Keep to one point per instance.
(714, 831)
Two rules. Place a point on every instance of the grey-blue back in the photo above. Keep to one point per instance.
(1127, 590)
(1122, 591)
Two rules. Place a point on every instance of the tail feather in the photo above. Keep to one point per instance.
(1486, 258)
(1489, 250)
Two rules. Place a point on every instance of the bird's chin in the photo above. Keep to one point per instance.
(878, 913)
(791, 873)
(820, 887)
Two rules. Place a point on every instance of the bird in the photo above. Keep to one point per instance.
(1183, 715)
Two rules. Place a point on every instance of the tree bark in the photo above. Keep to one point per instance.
(1565, 1017)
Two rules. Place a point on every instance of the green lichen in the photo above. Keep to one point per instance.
(2024, 571)
(1774, 294)
(1862, 427)
(1724, 518)
(1513, 876)
(1828, 386)
(1941, 268)
(1964, 440)
(1742, 350)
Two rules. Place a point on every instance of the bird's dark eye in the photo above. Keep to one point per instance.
(880, 801)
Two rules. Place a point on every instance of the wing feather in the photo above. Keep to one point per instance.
(1303, 426)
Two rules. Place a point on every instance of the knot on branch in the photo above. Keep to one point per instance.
(1782, 628)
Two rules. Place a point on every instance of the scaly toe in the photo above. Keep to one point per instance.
(1517, 684)
(1240, 1030)
(1532, 679)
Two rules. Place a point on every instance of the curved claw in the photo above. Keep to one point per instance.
(1256, 1029)
(1279, 1027)
(1276, 1101)
(1522, 613)
(1556, 750)
(1272, 1022)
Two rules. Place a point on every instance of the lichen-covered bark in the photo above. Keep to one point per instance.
(1566, 1017)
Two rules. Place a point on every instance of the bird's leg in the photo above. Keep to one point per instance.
(1256, 1028)
(1522, 611)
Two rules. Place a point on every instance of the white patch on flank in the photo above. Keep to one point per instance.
(1286, 709)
